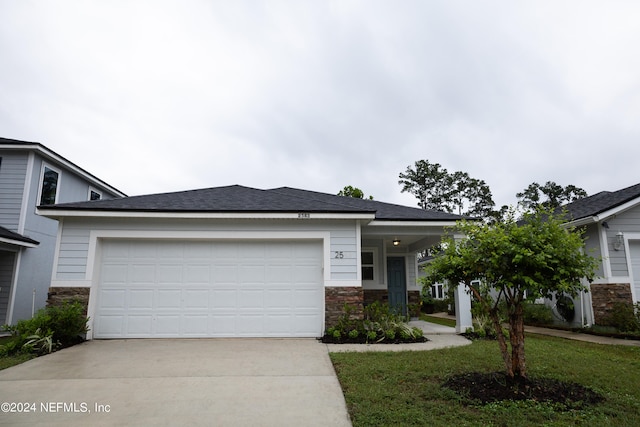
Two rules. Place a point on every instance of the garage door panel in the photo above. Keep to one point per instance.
(114, 273)
(278, 299)
(144, 250)
(110, 326)
(305, 299)
(113, 298)
(169, 298)
(195, 324)
(167, 325)
(139, 324)
(225, 274)
(168, 273)
(210, 289)
(223, 298)
(250, 299)
(222, 325)
(142, 274)
(140, 299)
(250, 325)
(195, 299)
(251, 274)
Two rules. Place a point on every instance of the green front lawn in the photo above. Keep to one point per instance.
(383, 389)
(9, 361)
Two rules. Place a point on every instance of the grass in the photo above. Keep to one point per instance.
(383, 389)
(9, 361)
(438, 320)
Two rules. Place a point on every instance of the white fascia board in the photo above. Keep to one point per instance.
(387, 223)
(603, 216)
(47, 153)
(582, 221)
(618, 209)
(58, 213)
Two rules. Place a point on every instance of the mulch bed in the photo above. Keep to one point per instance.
(483, 388)
(328, 339)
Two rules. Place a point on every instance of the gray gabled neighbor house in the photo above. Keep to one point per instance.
(32, 175)
(236, 261)
(612, 222)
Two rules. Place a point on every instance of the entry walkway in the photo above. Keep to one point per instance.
(578, 336)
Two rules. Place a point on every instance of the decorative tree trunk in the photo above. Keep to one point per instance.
(516, 332)
(502, 342)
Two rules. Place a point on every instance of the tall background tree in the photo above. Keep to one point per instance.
(355, 192)
(536, 257)
(549, 195)
(457, 192)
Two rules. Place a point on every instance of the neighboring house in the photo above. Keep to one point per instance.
(236, 261)
(612, 222)
(32, 175)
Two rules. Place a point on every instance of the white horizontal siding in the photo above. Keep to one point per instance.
(13, 171)
(74, 243)
(626, 222)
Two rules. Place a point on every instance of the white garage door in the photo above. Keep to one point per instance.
(209, 289)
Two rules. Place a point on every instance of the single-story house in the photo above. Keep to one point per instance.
(612, 227)
(236, 261)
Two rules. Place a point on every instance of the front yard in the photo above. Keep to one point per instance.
(9, 361)
(383, 389)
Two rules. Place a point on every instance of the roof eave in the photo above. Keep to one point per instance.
(302, 215)
(22, 243)
(412, 223)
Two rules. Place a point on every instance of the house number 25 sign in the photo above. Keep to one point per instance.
(339, 255)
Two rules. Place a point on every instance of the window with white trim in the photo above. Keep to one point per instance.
(437, 291)
(49, 185)
(367, 258)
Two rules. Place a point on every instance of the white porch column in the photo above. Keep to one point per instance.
(463, 309)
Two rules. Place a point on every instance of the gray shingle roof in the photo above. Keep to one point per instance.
(8, 234)
(601, 202)
(236, 198)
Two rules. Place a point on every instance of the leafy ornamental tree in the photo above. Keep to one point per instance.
(536, 255)
(436, 188)
(549, 195)
(354, 192)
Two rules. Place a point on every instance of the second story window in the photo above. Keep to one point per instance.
(49, 186)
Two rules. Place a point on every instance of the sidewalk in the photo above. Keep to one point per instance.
(565, 334)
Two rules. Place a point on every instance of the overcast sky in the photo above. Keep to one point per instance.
(158, 96)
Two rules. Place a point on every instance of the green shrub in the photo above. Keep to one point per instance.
(40, 342)
(625, 317)
(49, 328)
(537, 314)
(380, 323)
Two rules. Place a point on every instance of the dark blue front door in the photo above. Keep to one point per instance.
(397, 284)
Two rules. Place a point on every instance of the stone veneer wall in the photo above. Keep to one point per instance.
(382, 295)
(373, 295)
(335, 299)
(414, 303)
(604, 296)
(57, 295)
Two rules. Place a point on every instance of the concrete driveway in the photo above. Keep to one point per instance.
(212, 382)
